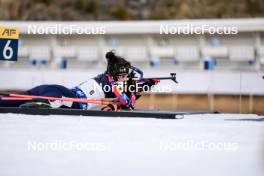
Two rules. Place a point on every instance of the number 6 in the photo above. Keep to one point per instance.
(6, 49)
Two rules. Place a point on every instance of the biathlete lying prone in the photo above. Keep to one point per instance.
(115, 84)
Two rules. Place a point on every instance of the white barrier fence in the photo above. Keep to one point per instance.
(190, 82)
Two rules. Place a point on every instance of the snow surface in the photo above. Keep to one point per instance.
(132, 146)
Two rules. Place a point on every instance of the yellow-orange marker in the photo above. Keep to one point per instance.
(9, 33)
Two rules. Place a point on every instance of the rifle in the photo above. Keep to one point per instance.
(172, 77)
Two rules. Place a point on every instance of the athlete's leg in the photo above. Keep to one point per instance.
(54, 91)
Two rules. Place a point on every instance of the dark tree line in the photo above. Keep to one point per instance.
(128, 9)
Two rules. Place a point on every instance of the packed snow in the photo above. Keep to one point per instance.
(209, 144)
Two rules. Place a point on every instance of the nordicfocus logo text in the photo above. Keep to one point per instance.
(198, 146)
(65, 29)
(198, 29)
(58, 145)
(138, 87)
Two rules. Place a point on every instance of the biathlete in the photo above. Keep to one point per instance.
(116, 82)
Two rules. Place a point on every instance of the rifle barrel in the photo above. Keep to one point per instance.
(172, 77)
(159, 78)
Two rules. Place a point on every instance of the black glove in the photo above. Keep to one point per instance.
(111, 107)
(151, 82)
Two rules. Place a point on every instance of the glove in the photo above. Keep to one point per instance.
(151, 82)
(111, 107)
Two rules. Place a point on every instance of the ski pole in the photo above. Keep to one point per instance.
(14, 98)
(103, 101)
(28, 99)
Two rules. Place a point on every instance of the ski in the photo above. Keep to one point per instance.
(76, 112)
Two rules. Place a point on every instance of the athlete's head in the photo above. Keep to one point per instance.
(117, 66)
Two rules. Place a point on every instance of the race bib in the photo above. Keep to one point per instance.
(9, 43)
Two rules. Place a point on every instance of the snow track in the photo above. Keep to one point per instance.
(209, 144)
